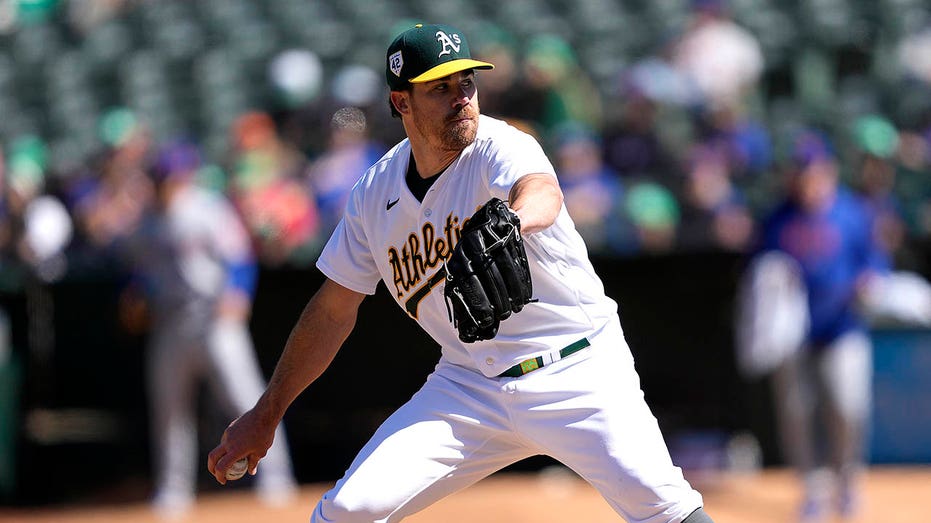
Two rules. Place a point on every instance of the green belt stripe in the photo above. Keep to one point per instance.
(535, 363)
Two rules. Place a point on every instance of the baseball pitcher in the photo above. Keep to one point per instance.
(464, 222)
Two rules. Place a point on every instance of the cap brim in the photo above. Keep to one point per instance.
(447, 68)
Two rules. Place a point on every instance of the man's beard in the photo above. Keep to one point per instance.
(449, 134)
(460, 135)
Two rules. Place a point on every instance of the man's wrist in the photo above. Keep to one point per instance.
(269, 409)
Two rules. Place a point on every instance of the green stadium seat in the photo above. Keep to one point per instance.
(65, 73)
(225, 12)
(36, 44)
(179, 40)
(898, 18)
(254, 42)
(445, 11)
(143, 70)
(330, 40)
(217, 69)
(604, 59)
(665, 17)
(776, 32)
(107, 44)
(192, 65)
(814, 80)
(832, 23)
(857, 95)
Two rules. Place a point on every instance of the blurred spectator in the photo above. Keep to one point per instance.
(912, 187)
(360, 86)
(5, 218)
(655, 213)
(296, 76)
(306, 101)
(10, 228)
(632, 146)
(505, 90)
(824, 387)
(349, 154)
(593, 192)
(39, 227)
(657, 78)
(195, 275)
(357, 86)
(720, 57)
(903, 296)
(557, 87)
(914, 55)
(110, 196)
(22, 13)
(35, 231)
(267, 188)
(714, 213)
(744, 141)
(876, 141)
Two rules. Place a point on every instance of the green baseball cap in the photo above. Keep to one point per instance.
(428, 52)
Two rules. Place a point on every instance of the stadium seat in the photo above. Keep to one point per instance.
(34, 45)
(107, 44)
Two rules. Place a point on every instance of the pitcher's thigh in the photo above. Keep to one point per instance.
(436, 444)
(609, 436)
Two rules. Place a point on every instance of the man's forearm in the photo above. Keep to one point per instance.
(537, 200)
(314, 341)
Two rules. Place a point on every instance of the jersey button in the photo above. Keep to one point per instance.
(489, 361)
(427, 213)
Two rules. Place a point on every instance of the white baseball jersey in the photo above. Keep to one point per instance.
(387, 234)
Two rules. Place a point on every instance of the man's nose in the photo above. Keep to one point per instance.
(463, 96)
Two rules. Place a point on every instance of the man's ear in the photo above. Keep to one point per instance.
(400, 101)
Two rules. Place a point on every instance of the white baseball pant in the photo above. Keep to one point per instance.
(587, 411)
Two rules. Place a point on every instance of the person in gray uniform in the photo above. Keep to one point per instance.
(196, 269)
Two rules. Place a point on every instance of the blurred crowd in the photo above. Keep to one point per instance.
(684, 150)
(685, 146)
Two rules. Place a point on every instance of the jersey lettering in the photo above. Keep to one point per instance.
(434, 249)
(400, 284)
(406, 261)
(422, 252)
(417, 268)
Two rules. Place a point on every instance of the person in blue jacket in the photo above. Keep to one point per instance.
(823, 390)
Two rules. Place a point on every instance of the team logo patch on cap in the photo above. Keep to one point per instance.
(395, 63)
(450, 42)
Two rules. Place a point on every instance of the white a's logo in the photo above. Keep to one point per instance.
(395, 63)
(449, 43)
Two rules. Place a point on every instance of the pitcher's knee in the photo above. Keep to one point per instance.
(337, 510)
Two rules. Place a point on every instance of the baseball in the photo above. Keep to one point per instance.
(238, 469)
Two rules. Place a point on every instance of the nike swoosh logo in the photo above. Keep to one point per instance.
(391, 204)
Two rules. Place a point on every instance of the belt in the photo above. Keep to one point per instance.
(535, 363)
